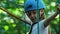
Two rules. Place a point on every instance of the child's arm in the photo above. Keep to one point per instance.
(48, 20)
(5, 10)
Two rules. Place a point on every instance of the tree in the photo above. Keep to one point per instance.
(12, 9)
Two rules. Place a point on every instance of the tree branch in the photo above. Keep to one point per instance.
(5, 10)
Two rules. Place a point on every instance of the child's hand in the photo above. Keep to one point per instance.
(58, 6)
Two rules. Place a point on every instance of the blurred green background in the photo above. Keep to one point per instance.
(11, 25)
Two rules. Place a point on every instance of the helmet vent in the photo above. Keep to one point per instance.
(35, 0)
(29, 6)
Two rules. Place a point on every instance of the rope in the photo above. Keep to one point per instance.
(38, 18)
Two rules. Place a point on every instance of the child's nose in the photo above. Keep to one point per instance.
(32, 16)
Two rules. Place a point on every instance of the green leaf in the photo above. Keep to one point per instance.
(6, 27)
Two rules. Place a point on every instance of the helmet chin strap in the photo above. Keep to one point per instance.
(32, 27)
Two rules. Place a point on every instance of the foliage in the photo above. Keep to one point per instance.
(11, 25)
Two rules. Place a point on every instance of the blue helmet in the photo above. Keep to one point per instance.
(40, 4)
(32, 5)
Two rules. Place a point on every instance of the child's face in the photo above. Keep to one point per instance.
(32, 15)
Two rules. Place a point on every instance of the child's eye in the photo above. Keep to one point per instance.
(34, 13)
(29, 14)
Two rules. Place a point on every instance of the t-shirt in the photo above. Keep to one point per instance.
(42, 29)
